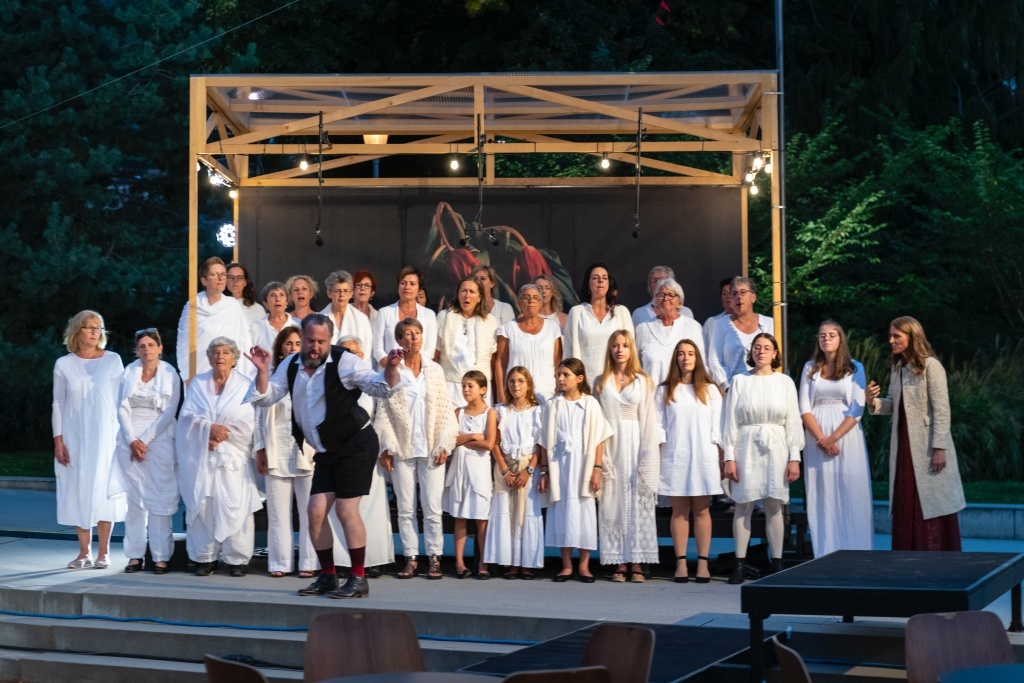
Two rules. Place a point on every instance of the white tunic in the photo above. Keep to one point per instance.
(586, 337)
(655, 342)
(727, 353)
(646, 313)
(355, 323)
(839, 509)
(384, 331)
(84, 413)
(689, 456)
(503, 312)
(535, 352)
(253, 313)
(468, 486)
(762, 431)
(263, 333)
(709, 329)
(222, 319)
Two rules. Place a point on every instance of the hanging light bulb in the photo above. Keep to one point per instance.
(768, 167)
(758, 162)
(303, 164)
(753, 189)
(233, 194)
(749, 178)
(454, 164)
(605, 163)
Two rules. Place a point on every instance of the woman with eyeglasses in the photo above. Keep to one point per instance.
(348, 321)
(591, 323)
(530, 341)
(656, 339)
(731, 339)
(144, 467)
(363, 289)
(84, 436)
(241, 287)
(465, 339)
(216, 316)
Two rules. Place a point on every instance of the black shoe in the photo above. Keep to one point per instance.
(373, 572)
(777, 565)
(157, 569)
(681, 579)
(702, 579)
(204, 568)
(355, 587)
(561, 578)
(134, 568)
(589, 578)
(739, 572)
(325, 583)
(236, 570)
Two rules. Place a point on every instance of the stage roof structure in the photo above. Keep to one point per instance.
(366, 117)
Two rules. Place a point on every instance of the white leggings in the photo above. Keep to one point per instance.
(774, 526)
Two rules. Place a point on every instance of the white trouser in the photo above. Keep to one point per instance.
(430, 477)
(161, 537)
(202, 547)
(280, 535)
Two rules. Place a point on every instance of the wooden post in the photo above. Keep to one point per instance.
(234, 219)
(196, 141)
(771, 140)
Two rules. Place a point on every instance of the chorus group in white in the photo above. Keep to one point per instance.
(597, 416)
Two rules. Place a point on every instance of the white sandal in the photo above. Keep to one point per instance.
(81, 562)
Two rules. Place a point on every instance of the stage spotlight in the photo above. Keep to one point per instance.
(454, 164)
(605, 163)
(303, 164)
(233, 194)
(753, 189)
(464, 241)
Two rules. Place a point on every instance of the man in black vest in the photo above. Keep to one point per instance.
(325, 382)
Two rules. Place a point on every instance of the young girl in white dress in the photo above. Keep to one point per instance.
(468, 485)
(631, 459)
(515, 531)
(690, 407)
(573, 433)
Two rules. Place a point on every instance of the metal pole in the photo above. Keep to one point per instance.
(779, 166)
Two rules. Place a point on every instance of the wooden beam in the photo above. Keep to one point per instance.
(743, 117)
(312, 122)
(470, 181)
(211, 124)
(219, 167)
(672, 79)
(216, 101)
(770, 110)
(196, 138)
(560, 147)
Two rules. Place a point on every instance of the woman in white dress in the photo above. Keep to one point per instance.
(302, 289)
(84, 436)
(591, 323)
(690, 410)
(836, 469)
(656, 339)
(516, 526)
(532, 342)
(468, 487)
(410, 279)
(762, 435)
(488, 278)
(417, 430)
(214, 440)
(731, 338)
(287, 472)
(552, 305)
(573, 434)
(348, 321)
(144, 462)
(465, 338)
(631, 462)
(241, 287)
(216, 316)
(275, 299)
(364, 288)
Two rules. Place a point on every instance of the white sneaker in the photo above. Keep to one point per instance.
(81, 563)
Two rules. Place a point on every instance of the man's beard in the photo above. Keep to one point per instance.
(308, 362)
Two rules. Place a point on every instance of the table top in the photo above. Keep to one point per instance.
(885, 583)
(416, 677)
(1001, 673)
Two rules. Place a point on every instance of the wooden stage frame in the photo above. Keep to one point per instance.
(235, 116)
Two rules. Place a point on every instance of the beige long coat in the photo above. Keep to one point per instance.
(926, 401)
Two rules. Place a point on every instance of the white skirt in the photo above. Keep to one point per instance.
(508, 543)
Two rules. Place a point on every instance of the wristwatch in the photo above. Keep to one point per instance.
(530, 470)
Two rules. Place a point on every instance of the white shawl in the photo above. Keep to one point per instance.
(449, 325)
(394, 425)
(596, 431)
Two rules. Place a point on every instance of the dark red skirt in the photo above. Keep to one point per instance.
(910, 530)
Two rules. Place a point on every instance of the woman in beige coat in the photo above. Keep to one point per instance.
(925, 491)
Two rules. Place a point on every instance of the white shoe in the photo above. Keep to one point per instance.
(103, 562)
(81, 563)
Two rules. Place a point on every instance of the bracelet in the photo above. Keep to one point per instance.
(599, 467)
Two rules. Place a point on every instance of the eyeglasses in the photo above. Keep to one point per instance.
(93, 328)
(216, 276)
(364, 285)
(740, 292)
(666, 295)
(235, 278)
(145, 333)
(339, 292)
(530, 298)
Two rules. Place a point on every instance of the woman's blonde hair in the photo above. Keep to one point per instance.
(918, 348)
(557, 303)
(632, 365)
(314, 288)
(844, 364)
(701, 379)
(531, 398)
(75, 326)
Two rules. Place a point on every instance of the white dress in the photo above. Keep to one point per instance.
(626, 514)
(356, 324)
(253, 313)
(384, 331)
(468, 486)
(839, 509)
(762, 431)
(535, 352)
(503, 312)
(222, 319)
(85, 414)
(515, 530)
(729, 348)
(655, 343)
(263, 333)
(572, 520)
(586, 337)
(462, 356)
(689, 456)
(646, 314)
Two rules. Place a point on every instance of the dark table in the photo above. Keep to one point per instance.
(882, 583)
(1000, 673)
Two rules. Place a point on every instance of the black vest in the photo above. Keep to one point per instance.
(344, 416)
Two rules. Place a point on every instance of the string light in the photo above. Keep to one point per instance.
(753, 189)
(454, 164)
(758, 162)
(761, 163)
(303, 164)
(768, 167)
(605, 163)
(226, 235)
(233, 194)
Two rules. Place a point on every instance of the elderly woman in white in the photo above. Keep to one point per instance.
(410, 281)
(275, 300)
(348, 320)
(730, 340)
(417, 431)
(591, 323)
(217, 315)
(648, 312)
(656, 339)
(531, 341)
(465, 339)
(144, 466)
(215, 473)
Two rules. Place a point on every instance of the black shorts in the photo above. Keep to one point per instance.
(347, 471)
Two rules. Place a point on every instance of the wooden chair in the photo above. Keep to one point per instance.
(791, 663)
(357, 643)
(225, 671)
(938, 643)
(626, 651)
(585, 674)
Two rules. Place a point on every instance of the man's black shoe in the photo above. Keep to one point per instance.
(355, 587)
(323, 584)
